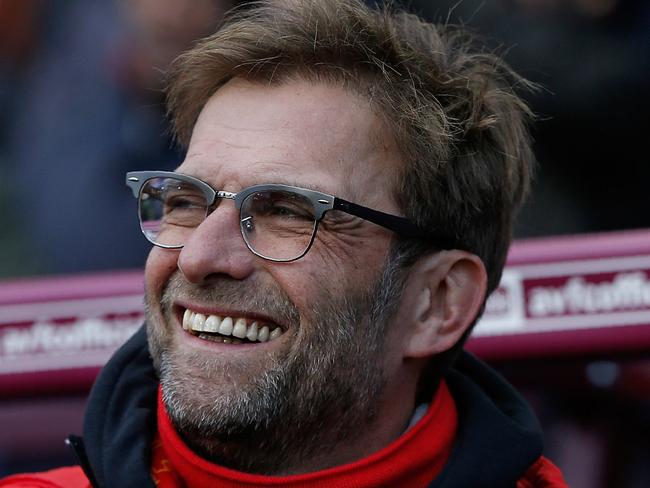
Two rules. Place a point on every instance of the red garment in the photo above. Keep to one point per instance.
(542, 474)
(412, 461)
(386, 468)
(68, 477)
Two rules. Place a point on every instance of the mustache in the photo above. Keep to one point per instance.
(243, 296)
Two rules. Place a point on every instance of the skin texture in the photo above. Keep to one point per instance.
(342, 360)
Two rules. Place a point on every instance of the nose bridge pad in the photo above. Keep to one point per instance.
(247, 223)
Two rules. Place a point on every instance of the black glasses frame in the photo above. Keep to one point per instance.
(322, 203)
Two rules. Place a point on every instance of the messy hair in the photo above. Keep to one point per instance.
(451, 104)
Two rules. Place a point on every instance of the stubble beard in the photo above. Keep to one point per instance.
(320, 391)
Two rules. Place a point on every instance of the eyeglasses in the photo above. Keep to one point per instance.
(277, 222)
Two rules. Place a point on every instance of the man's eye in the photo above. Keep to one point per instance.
(278, 206)
(286, 210)
(182, 203)
(283, 209)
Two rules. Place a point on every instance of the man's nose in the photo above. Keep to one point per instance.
(216, 248)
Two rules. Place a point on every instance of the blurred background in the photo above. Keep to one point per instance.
(80, 104)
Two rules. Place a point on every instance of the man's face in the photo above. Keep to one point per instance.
(320, 378)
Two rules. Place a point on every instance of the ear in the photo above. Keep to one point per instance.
(442, 297)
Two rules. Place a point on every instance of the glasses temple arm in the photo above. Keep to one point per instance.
(399, 225)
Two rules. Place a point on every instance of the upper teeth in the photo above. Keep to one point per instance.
(229, 326)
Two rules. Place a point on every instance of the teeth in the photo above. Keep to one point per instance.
(198, 322)
(221, 339)
(235, 328)
(187, 319)
(240, 329)
(212, 323)
(263, 334)
(251, 335)
(226, 326)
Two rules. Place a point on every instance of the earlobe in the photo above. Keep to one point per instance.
(447, 292)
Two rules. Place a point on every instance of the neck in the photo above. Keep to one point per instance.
(285, 448)
(413, 459)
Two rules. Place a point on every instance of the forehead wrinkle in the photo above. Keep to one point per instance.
(263, 173)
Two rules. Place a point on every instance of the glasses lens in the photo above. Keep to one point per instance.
(278, 225)
(170, 210)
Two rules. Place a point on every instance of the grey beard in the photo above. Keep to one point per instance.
(322, 392)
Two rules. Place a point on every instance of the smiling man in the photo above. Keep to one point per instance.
(344, 208)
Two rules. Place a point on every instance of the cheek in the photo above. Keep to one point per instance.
(399, 331)
(161, 264)
(327, 272)
(350, 261)
(298, 281)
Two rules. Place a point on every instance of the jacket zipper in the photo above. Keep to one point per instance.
(76, 444)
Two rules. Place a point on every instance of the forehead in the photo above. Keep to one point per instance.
(300, 133)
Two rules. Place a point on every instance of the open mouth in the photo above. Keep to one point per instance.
(228, 330)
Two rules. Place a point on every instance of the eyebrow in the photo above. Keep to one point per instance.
(269, 165)
(300, 184)
(259, 176)
(261, 180)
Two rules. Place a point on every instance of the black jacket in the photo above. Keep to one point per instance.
(498, 437)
